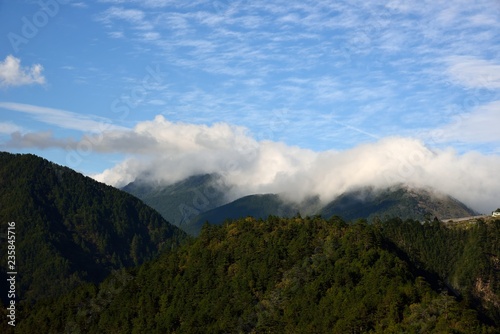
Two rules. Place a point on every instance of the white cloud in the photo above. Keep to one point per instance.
(472, 72)
(130, 15)
(68, 67)
(62, 118)
(145, 3)
(136, 17)
(13, 74)
(479, 126)
(150, 35)
(166, 151)
(79, 4)
(116, 34)
(157, 102)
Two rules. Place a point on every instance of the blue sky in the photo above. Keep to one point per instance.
(319, 75)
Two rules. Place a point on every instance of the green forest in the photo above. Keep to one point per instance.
(296, 275)
(93, 259)
(71, 229)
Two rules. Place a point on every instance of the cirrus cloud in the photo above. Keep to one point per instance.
(472, 72)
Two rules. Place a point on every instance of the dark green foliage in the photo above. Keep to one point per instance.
(466, 258)
(280, 275)
(71, 229)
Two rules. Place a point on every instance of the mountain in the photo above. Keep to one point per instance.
(400, 201)
(256, 206)
(70, 229)
(92, 259)
(203, 198)
(297, 275)
(368, 203)
(181, 202)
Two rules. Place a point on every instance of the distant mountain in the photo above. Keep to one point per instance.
(202, 198)
(182, 201)
(401, 201)
(191, 202)
(367, 203)
(71, 229)
(257, 206)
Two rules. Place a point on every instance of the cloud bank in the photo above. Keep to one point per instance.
(13, 74)
(163, 151)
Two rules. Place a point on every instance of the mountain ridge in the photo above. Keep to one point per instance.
(71, 229)
(361, 203)
(181, 201)
(400, 201)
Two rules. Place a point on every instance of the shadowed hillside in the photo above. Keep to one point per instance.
(71, 229)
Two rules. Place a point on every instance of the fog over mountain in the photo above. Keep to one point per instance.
(166, 152)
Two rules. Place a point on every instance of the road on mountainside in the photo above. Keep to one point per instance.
(457, 220)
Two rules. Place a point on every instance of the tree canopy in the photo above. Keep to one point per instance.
(302, 275)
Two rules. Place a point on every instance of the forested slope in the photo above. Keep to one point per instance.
(294, 275)
(466, 257)
(71, 229)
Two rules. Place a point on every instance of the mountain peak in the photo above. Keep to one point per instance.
(181, 201)
(404, 201)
